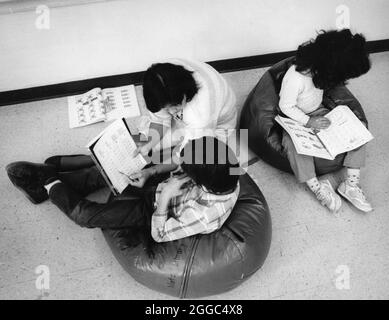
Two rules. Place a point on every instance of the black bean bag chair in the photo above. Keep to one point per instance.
(265, 135)
(203, 265)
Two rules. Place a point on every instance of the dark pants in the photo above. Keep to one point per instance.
(133, 209)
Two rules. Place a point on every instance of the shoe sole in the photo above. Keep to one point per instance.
(349, 200)
(340, 205)
(339, 199)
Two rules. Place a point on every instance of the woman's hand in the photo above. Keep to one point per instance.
(318, 123)
(143, 150)
(173, 187)
(139, 179)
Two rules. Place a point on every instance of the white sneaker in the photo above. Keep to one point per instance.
(355, 195)
(328, 197)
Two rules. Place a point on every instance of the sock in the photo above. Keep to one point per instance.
(353, 176)
(313, 184)
(50, 182)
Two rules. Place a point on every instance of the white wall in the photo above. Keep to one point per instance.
(126, 36)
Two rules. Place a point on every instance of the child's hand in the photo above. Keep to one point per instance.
(143, 150)
(139, 179)
(318, 123)
(173, 187)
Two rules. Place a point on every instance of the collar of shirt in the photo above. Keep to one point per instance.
(192, 192)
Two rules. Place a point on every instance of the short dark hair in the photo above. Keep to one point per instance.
(334, 57)
(167, 84)
(209, 162)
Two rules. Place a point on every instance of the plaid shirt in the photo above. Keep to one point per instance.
(193, 212)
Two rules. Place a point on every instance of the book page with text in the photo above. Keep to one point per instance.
(114, 150)
(304, 139)
(121, 102)
(86, 109)
(345, 133)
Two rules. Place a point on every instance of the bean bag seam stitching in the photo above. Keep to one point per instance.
(236, 245)
(188, 268)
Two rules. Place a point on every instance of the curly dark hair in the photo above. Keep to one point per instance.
(334, 57)
(167, 84)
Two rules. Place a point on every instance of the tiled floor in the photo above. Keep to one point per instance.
(308, 245)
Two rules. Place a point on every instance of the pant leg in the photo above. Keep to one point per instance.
(303, 166)
(71, 162)
(133, 211)
(112, 215)
(84, 181)
(355, 158)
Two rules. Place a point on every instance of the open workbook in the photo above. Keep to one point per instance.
(112, 151)
(345, 133)
(102, 105)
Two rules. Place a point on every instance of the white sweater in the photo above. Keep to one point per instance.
(213, 108)
(299, 96)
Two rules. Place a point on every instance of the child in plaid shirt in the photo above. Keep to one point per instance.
(190, 211)
(200, 196)
(197, 199)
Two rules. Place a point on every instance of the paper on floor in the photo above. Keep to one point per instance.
(102, 105)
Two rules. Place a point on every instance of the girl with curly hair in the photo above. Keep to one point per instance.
(321, 64)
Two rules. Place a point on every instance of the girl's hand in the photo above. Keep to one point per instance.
(173, 187)
(139, 179)
(318, 123)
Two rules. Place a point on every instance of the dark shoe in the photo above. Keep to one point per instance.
(71, 162)
(30, 178)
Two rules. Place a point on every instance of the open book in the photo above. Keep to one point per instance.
(112, 151)
(102, 105)
(345, 133)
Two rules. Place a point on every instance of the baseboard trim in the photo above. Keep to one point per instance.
(76, 87)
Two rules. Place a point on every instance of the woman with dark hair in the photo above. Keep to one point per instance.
(187, 99)
(328, 61)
